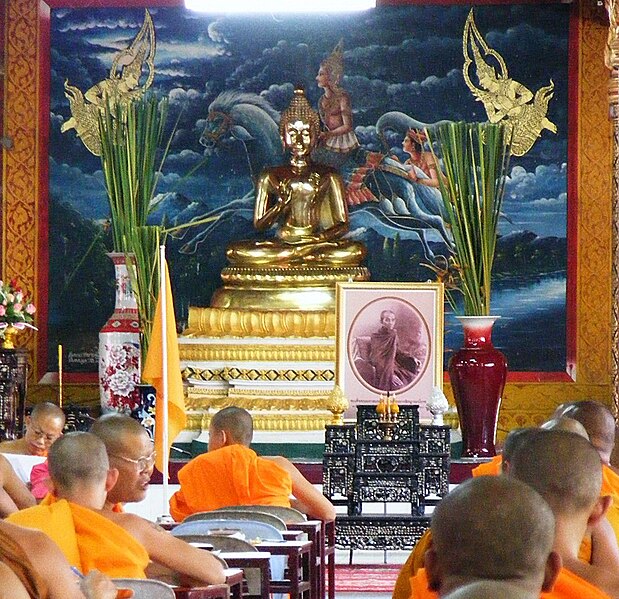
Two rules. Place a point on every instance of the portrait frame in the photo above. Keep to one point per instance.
(389, 338)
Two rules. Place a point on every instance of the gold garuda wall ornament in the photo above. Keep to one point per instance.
(123, 84)
(504, 99)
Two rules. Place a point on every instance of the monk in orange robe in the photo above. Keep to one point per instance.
(88, 540)
(567, 472)
(415, 560)
(489, 528)
(130, 450)
(118, 544)
(232, 474)
(600, 426)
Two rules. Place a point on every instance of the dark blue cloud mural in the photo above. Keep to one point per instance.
(406, 59)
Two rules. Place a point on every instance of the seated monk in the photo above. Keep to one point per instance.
(415, 560)
(598, 546)
(306, 202)
(130, 451)
(52, 578)
(490, 529)
(565, 470)
(119, 545)
(232, 474)
(599, 423)
(43, 427)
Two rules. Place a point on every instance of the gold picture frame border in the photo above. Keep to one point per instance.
(404, 292)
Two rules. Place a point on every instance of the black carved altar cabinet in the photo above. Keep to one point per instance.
(13, 377)
(362, 464)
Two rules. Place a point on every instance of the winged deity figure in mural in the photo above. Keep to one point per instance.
(504, 99)
(129, 67)
(379, 188)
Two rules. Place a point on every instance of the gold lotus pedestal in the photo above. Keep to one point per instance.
(267, 344)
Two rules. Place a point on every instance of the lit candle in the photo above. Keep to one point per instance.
(60, 375)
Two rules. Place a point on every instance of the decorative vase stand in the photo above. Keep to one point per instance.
(360, 467)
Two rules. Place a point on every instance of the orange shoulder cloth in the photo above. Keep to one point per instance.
(87, 539)
(419, 586)
(231, 475)
(567, 586)
(571, 586)
(491, 468)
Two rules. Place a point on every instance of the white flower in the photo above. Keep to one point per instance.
(122, 382)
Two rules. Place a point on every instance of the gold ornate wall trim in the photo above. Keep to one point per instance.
(522, 402)
(20, 214)
(595, 158)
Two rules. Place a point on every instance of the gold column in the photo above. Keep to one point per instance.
(611, 59)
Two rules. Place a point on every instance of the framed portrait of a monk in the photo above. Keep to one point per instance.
(389, 341)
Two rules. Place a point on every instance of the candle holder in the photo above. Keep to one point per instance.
(387, 410)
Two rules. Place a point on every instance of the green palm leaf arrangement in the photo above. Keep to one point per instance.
(131, 143)
(475, 158)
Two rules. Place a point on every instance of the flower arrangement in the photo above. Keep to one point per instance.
(16, 307)
(475, 160)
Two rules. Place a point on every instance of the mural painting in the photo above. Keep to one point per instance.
(380, 80)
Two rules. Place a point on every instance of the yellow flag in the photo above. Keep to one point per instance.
(153, 374)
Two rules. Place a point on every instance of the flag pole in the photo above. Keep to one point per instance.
(164, 359)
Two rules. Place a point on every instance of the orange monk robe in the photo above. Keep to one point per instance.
(570, 586)
(610, 486)
(415, 561)
(86, 538)
(492, 468)
(231, 475)
(567, 586)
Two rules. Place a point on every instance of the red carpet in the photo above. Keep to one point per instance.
(366, 579)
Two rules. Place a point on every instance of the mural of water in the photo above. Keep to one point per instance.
(525, 305)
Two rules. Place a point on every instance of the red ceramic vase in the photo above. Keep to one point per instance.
(478, 372)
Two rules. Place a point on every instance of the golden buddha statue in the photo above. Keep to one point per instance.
(306, 204)
(305, 201)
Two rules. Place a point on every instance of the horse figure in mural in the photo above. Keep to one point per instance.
(394, 204)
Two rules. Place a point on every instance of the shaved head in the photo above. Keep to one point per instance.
(116, 430)
(492, 527)
(44, 425)
(77, 457)
(563, 423)
(127, 443)
(236, 422)
(514, 439)
(562, 467)
(599, 423)
(47, 410)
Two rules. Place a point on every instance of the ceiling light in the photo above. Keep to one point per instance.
(279, 6)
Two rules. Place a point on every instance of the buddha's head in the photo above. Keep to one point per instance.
(299, 126)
